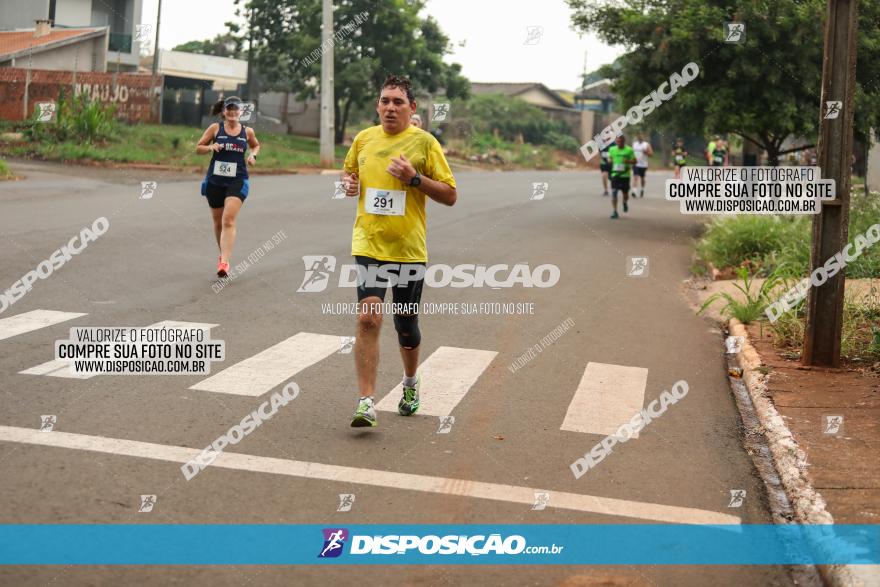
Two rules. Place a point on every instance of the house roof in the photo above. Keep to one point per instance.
(20, 43)
(517, 88)
(600, 90)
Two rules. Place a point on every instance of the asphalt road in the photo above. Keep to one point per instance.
(156, 263)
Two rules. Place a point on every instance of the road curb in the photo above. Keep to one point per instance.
(790, 462)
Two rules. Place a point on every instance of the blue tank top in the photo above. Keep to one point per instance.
(234, 148)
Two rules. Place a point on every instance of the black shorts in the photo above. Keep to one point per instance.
(640, 171)
(620, 183)
(217, 193)
(605, 167)
(407, 292)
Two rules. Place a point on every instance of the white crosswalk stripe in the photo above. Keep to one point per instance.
(61, 367)
(258, 374)
(33, 320)
(446, 375)
(607, 396)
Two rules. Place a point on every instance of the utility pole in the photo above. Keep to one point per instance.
(157, 99)
(831, 226)
(327, 114)
(250, 76)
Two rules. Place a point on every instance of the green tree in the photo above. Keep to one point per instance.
(764, 90)
(373, 39)
(223, 45)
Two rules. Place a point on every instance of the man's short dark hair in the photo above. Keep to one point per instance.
(399, 81)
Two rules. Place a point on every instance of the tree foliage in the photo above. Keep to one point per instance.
(765, 89)
(392, 38)
(223, 45)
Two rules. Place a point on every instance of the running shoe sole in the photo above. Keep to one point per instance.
(362, 422)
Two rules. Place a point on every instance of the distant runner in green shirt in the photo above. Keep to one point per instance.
(622, 159)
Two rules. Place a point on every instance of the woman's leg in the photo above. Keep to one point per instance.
(227, 235)
(217, 215)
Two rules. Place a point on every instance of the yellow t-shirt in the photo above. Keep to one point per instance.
(398, 239)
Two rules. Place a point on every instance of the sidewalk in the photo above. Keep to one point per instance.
(842, 467)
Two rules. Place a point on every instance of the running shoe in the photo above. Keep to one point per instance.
(615, 214)
(222, 269)
(625, 206)
(409, 403)
(365, 415)
(605, 193)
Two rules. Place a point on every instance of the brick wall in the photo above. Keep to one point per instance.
(129, 92)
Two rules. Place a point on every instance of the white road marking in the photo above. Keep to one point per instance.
(33, 320)
(447, 375)
(607, 396)
(61, 367)
(608, 506)
(258, 374)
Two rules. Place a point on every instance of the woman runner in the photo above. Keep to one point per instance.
(226, 184)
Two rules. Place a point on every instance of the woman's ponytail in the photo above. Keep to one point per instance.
(217, 108)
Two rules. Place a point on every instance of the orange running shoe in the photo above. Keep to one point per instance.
(222, 268)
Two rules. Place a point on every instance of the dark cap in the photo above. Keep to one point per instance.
(232, 101)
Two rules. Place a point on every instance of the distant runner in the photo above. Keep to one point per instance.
(391, 168)
(710, 148)
(622, 158)
(643, 150)
(226, 184)
(679, 157)
(719, 154)
(605, 168)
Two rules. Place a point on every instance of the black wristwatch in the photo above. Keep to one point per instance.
(416, 180)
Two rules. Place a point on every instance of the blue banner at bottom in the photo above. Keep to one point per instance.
(523, 544)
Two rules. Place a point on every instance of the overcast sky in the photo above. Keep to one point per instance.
(493, 33)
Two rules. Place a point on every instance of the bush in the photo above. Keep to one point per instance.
(79, 120)
(782, 243)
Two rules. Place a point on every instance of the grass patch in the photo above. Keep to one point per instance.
(767, 244)
(172, 145)
(5, 172)
(860, 336)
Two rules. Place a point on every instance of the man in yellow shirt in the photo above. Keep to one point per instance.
(391, 168)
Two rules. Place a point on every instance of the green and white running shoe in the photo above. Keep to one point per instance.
(365, 415)
(409, 403)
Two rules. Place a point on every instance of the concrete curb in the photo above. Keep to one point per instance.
(791, 463)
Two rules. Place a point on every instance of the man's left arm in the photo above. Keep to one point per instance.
(439, 191)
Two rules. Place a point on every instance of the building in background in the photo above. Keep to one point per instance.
(44, 47)
(120, 17)
(580, 123)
